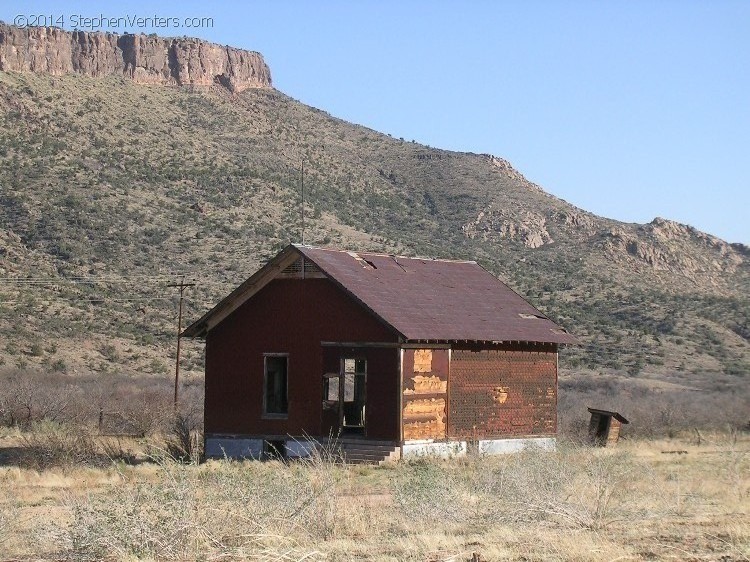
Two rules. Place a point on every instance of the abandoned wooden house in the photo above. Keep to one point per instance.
(393, 356)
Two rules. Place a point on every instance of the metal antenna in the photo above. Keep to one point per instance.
(302, 210)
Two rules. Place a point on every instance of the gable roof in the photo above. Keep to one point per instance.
(420, 299)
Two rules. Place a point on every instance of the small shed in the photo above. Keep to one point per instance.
(604, 427)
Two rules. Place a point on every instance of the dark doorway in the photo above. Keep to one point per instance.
(354, 383)
(345, 396)
(602, 429)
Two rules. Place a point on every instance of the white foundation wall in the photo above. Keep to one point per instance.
(233, 448)
(429, 448)
(504, 446)
(450, 449)
(247, 448)
(253, 448)
(299, 449)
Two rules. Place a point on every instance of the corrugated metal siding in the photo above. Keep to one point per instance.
(502, 393)
(287, 316)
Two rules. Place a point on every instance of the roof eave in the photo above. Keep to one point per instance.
(235, 299)
(489, 341)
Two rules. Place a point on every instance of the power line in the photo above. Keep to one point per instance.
(93, 279)
(91, 300)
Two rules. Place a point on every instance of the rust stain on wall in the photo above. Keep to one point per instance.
(433, 407)
(500, 394)
(424, 419)
(422, 360)
(425, 394)
(430, 429)
(427, 385)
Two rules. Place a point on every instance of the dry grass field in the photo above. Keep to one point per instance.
(643, 500)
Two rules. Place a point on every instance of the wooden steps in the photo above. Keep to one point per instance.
(364, 451)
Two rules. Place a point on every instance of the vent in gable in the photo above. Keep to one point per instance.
(311, 268)
(300, 269)
(293, 270)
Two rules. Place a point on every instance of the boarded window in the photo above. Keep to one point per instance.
(275, 392)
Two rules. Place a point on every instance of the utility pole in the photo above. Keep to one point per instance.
(182, 285)
(302, 209)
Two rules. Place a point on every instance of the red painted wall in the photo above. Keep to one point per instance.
(503, 392)
(293, 316)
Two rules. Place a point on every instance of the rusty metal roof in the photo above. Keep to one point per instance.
(436, 300)
(420, 299)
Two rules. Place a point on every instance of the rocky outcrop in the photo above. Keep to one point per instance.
(146, 59)
(666, 245)
(493, 223)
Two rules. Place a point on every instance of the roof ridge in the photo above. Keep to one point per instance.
(380, 254)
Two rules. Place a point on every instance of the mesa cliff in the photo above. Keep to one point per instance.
(146, 59)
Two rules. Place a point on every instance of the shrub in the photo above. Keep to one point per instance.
(47, 444)
(59, 366)
(110, 353)
(258, 510)
(184, 440)
(574, 486)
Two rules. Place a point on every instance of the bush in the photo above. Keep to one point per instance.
(574, 486)
(257, 511)
(59, 366)
(652, 412)
(47, 444)
(184, 441)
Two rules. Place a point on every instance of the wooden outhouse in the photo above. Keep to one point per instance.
(604, 427)
(391, 356)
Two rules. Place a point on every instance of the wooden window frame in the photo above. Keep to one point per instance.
(274, 415)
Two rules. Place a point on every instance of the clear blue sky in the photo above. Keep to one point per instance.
(630, 109)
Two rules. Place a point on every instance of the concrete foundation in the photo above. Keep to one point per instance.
(504, 446)
(296, 449)
(439, 449)
(245, 448)
(450, 449)
(233, 448)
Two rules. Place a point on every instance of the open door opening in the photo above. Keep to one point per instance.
(344, 396)
(602, 430)
(354, 377)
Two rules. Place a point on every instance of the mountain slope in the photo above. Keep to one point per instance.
(110, 190)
